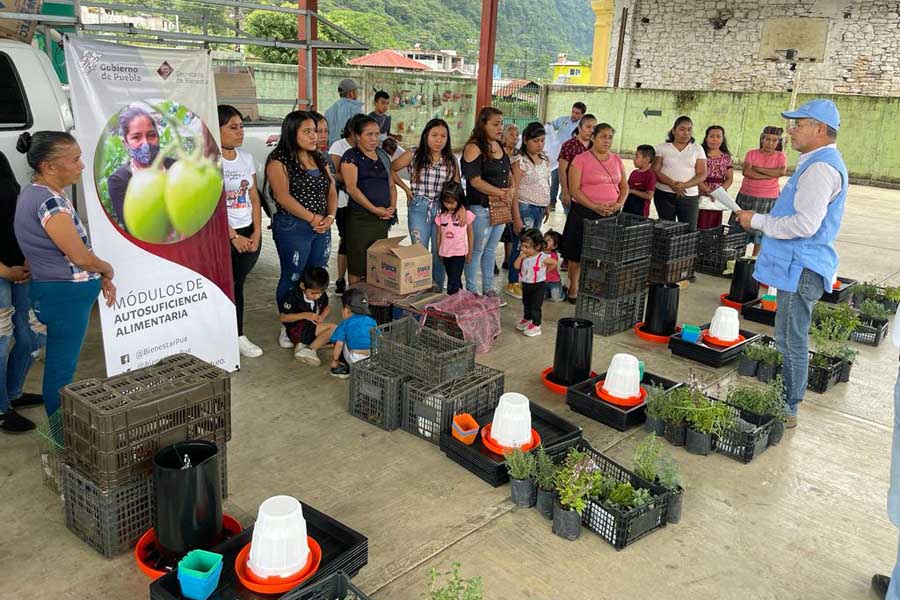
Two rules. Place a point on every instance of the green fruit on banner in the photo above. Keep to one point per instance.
(193, 190)
(145, 206)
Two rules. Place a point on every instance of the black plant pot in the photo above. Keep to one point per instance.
(748, 367)
(522, 492)
(654, 425)
(776, 433)
(698, 443)
(676, 501)
(662, 309)
(545, 502)
(743, 287)
(766, 372)
(574, 348)
(844, 377)
(566, 523)
(675, 434)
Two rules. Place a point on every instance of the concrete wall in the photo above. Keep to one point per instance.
(679, 48)
(868, 137)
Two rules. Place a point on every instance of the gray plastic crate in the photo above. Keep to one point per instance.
(405, 347)
(376, 394)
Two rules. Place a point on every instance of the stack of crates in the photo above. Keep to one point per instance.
(719, 246)
(418, 378)
(112, 429)
(615, 269)
(673, 255)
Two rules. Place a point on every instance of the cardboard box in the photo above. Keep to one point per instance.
(399, 269)
(22, 31)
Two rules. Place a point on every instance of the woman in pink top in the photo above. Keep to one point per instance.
(761, 171)
(599, 188)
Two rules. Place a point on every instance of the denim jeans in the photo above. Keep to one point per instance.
(17, 347)
(792, 334)
(893, 502)
(554, 187)
(532, 216)
(555, 291)
(65, 308)
(299, 247)
(420, 219)
(484, 241)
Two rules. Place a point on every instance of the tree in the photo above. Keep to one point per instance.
(272, 25)
(377, 30)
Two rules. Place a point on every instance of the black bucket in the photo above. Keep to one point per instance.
(662, 309)
(574, 349)
(188, 500)
(743, 287)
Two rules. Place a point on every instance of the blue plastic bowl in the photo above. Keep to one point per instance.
(690, 335)
(198, 574)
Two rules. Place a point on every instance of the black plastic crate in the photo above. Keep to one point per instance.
(610, 316)
(582, 398)
(870, 331)
(611, 280)
(343, 549)
(672, 271)
(822, 379)
(375, 394)
(443, 322)
(428, 408)
(334, 587)
(620, 528)
(557, 436)
(109, 521)
(841, 293)
(744, 445)
(673, 241)
(421, 352)
(718, 246)
(618, 239)
(753, 311)
(382, 313)
(710, 355)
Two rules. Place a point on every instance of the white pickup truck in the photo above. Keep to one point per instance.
(33, 99)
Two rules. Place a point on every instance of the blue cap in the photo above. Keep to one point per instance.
(821, 110)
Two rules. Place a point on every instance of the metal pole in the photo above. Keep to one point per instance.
(487, 42)
(621, 47)
(310, 92)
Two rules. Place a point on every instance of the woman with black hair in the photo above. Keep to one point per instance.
(431, 164)
(306, 200)
(244, 213)
(680, 166)
(488, 173)
(719, 174)
(366, 170)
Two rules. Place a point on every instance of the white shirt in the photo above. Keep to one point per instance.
(680, 165)
(238, 178)
(533, 269)
(819, 182)
(337, 149)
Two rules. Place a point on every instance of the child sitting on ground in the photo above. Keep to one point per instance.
(533, 264)
(552, 240)
(352, 338)
(641, 182)
(303, 314)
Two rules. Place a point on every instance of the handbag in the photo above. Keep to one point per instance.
(499, 212)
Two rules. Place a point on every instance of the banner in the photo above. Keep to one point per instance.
(147, 124)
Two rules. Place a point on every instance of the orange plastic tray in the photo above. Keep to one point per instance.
(147, 541)
(624, 402)
(730, 303)
(496, 448)
(717, 342)
(277, 585)
(556, 388)
(650, 337)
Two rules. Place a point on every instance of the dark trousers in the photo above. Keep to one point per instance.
(454, 265)
(241, 265)
(634, 205)
(533, 300)
(672, 207)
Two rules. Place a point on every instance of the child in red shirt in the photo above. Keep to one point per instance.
(641, 182)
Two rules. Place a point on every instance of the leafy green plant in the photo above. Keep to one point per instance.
(755, 351)
(455, 587)
(646, 457)
(544, 469)
(641, 497)
(892, 293)
(678, 402)
(574, 480)
(520, 464)
(874, 310)
(766, 401)
(770, 355)
(656, 401)
(668, 471)
(622, 495)
(601, 486)
(709, 417)
(866, 290)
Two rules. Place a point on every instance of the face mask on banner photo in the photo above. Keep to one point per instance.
(144, 154)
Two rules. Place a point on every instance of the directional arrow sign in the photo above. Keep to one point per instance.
(652, 113)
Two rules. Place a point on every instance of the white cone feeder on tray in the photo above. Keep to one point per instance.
(622, 383)
(725, 328)
(511, 427)
(279, 547)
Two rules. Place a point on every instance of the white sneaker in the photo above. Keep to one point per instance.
(532, 330)
(283, 340)
(307, 356)
(523, 325)
(248, 348)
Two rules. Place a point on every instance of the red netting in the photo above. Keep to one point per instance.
(478, 317)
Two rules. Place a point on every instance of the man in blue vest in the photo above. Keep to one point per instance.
(798, 256)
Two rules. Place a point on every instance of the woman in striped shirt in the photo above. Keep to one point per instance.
(431, 164)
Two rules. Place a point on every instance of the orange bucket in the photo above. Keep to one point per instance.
(465, 428)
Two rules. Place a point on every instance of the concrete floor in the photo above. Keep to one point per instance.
(805, 520)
